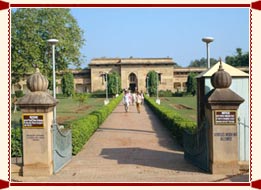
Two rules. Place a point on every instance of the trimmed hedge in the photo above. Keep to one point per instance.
(165, 93)
(172, 120)
(83, 128)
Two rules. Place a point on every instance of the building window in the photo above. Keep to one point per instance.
(132, 78)
(177, 85)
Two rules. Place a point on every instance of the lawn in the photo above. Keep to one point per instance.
(186, 106)
(67, 109)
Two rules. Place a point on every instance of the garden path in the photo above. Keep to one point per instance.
(131, 147)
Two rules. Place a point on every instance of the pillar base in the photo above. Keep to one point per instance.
(229, 168)
(37, 170)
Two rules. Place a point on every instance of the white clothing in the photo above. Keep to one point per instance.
(126, 99)
(139, 99)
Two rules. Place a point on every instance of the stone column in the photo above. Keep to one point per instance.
(221, 112)
(37, 117)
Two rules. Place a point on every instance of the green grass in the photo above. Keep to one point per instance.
(178, 103)
(67, 109)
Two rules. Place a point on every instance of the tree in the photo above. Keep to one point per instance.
(239, 60)
(67, 83)
(31, 28)
(114, 83)
(202, 62)
(152, 88)
(192, 84)
(80, 98)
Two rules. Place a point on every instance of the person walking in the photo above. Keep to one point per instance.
(134, 98)
(138, 101)
(142, 97)
(126, 100)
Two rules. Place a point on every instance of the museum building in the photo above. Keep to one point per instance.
(133, 73)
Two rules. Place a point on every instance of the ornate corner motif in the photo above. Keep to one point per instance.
(256, 5)
(4, 5)
(4, 184)
(256, 184)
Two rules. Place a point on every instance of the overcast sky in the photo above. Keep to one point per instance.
(162, 32)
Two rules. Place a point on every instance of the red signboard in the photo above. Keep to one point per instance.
(225, 117)
(32, 121)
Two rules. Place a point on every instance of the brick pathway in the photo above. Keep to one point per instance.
(131, 147)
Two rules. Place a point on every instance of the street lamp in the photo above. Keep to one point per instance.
(53, 42)
(208, 40)
(104, 74)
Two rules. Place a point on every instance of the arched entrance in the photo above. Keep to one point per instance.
(133, 82)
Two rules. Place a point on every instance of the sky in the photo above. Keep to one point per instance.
(162, 32)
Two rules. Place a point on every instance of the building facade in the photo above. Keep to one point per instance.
(133, 73)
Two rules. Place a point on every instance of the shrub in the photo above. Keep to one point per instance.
(99, 94)
(171, 120)
(114, 83)
(165, 93)
(178, 94)
(19, 93)
(16, 142)
(192, 84)
(152, 77)
(67, 83)
(80, 98)
(81, 131)
(60, 96)
(83, 128)
(181, 94)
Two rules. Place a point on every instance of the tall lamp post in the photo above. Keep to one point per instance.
(105, 75)
(53, 42)
(208, 40)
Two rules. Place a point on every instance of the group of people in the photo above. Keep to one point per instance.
(133, 98)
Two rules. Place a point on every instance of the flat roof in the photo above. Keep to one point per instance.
(133, 61)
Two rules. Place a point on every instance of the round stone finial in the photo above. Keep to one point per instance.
(37, 82)
(221, 78)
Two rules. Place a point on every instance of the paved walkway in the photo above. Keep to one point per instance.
(131, 147)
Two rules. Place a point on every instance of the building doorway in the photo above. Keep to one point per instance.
(133, 82)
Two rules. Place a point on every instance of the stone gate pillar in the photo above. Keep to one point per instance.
(37, 117)
(221, 112)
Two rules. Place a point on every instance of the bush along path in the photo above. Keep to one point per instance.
(172, 120)
(83, 128)
(127, 147)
